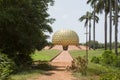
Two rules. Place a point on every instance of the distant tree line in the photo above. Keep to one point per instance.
(99, 45)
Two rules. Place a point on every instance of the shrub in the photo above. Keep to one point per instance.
(108, 57)
(116, 61)
(79, 64)
(22, 61)
(110, 76)
(6, 66)
(95, 59)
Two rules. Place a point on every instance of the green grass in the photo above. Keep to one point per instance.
(94, 70)
(26, 74)
(44, 55)
(91, 53)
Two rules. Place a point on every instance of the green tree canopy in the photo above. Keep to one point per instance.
(22, 26)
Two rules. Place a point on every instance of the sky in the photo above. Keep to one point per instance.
(67, 13)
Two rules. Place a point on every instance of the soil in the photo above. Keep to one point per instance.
(60, 63)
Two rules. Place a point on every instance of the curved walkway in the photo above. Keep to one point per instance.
(59, 73)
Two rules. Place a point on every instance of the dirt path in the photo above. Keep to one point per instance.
(64, 56)
(60, 72)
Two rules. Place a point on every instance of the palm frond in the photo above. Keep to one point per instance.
(82, 18)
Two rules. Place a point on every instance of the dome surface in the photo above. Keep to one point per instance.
(65, 38)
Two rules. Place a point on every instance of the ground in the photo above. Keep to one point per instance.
(60, 63)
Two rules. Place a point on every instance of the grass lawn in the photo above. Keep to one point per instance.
(94, 70)
(26, 74)
(44, 55)
(82, 53)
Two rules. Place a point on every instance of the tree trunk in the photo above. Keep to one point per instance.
(94, 28)
(89, 34)
(87, 44)
(105, 31)
(110, 25)
(116, 26)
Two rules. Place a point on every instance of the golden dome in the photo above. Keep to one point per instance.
(65, 38)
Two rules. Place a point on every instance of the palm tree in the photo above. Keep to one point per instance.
(116, 9)
(93, 4)
(88, 17)
(111, 8)
(101, 5)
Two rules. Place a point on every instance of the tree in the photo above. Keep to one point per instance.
(92, 45)
(88, 17)
(101, 5)
(22, 27)
(115, 18)
(93, 4)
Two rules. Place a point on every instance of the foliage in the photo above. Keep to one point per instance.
(110, 76)
(22, 27)
(95, 59)
(107, 57)
(94, 71)
(6, 66)
(116, 62)
(80, 65)
(22, 61)
(92, 43)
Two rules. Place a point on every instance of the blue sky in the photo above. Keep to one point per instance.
(67, 13)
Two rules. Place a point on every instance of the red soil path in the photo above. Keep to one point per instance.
(60, 72)
(63, 57)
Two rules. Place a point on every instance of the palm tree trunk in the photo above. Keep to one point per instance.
(89, 34)
(110, 25)
(86, 44)
(105, 31)
(94, 28)
(116, 26)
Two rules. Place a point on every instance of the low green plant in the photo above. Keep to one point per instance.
(6, 66)
(95, 59)
(110, 76)
(107, 57)
(116, 61)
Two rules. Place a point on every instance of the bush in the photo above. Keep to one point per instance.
(79, 64)
(22, 61)
(108, 57)
(95, 59)
(116, 61)
(6, 66)
(110, 76)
